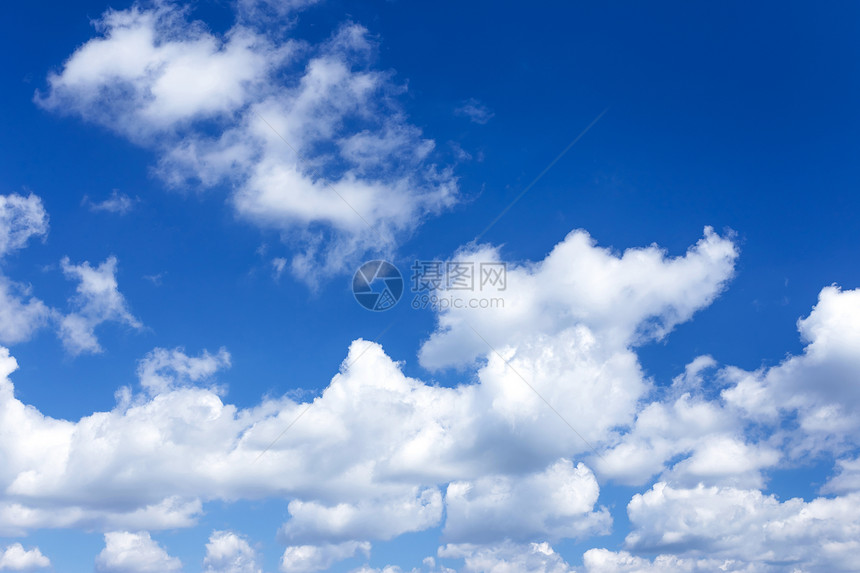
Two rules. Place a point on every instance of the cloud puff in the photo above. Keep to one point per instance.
(556, 503)
(15, 558)
(605, 561)
(821, 386)
(624, 299)
(21, 314)
(310, 137)
(507, 557)
(369, 458)
(475, 111)
(21, 218)
(126, 552)
(747, 525)
(227, 552)
(688, 439)
(163, 369)
(309, 558)
(118, 203)
(374, 443)
(98, 300)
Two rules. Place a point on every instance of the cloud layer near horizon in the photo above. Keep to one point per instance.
(379, 454)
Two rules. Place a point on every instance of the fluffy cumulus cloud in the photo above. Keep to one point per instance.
(127, 552)
(308, 140)
(308, 558)
(507, 557)
(606, 561)
(622, 299)
(16, 558)
(747, 526)
(556, 503)
(821, 387)
(505, 463)
(267, 116)
(378, 453)
(227, 552)
(163, 369)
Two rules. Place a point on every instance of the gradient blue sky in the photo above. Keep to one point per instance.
(736, 116)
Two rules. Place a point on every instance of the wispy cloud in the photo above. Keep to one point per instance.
(476, 111)
(118, 203)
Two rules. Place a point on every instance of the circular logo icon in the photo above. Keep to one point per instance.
(377, 285)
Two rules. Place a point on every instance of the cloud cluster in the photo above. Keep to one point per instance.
(311, 142)
(227, 552)
(126, 552)
(21, 314)
(378, 454)
(16, 558)
(310, 138)
(504, 463)
(97, 298)
(821, 387)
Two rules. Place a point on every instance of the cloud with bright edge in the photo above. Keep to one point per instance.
(228, 552)
(162, 80)
(127, 552)
(380, 454)
(16, 558)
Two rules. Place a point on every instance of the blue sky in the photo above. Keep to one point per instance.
(670, 385)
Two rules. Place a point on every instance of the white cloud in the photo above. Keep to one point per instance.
(98, 300)
(118, 203)
(746, 525)
(375, 442)
(227, 552)
(126, 552)
(280, 111)
(847, 478)
(381, 518)
(21, 218)
(624, 299)
(308, 558)
(821, 386)
(163, 369)
(475, 111)
(605, 561)
(21, 314)
(689, 440)
(266, 10)
(507, 557)
(15, 558)
(151, 71)
(369, 457)
(556, 503)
